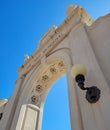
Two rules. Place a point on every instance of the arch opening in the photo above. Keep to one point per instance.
(56, 109)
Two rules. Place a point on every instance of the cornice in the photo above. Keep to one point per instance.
(98, 22)
(52, 39)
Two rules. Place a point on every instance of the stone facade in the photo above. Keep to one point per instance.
(78, 40)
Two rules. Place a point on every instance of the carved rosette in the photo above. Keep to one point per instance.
(45, 78)
(35, 100)
(38, 88)
(61, 64)
(53, 70)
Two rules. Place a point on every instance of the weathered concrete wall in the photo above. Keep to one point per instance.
(90, 46)
(99, 35)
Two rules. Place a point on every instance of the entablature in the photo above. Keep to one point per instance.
(54, 36)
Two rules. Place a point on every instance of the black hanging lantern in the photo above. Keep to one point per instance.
(92, 93)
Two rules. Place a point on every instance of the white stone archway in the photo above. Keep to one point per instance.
(52, 69)
(77, 41)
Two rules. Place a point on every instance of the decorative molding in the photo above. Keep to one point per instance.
(54, 36)
(98, 22)
(47, 35)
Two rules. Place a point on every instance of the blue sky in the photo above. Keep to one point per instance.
(22, 24)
